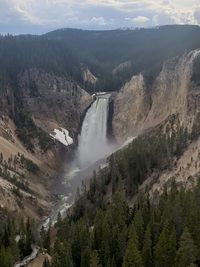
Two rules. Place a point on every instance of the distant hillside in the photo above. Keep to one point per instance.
(66, 51)
(147, 49)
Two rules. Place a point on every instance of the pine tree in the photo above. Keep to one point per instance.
(5, 257)
(161, 250)
(147, 248)
(132, 256)
(94, 259)
(139, 226)
(62, 255)
(187, 252)
(171, 247)
(113, 263)
(85, 258)
(105, 251)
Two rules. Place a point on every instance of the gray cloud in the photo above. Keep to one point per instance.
(37, 16)
(197, 15)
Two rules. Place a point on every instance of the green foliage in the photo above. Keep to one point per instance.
(94, 259)
(129, 167)
(150, 234)
(62, 256)
(65, 52)
(187, 252)
(11, 250)
(165, 248)
(132, 255)
(144, 49)
(147, 248)
(28, 132)
(29, 165)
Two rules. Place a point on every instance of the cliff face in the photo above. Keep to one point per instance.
(52, 99)
(173, 93)
(130, 108)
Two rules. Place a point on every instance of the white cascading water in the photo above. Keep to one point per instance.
(93, 143)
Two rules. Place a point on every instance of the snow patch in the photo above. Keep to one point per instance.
(62, 135)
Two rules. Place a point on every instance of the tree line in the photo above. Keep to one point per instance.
(160, 231)
(16, 239)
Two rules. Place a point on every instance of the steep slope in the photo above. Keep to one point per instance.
(30, 110)
(52, 99)
(174, 93)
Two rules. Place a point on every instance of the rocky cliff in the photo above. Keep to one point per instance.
(171, 105)
(30, 109)
(52, 99)
(174, 92)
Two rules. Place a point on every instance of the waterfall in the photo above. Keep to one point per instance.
(92, 146)
(93, 143)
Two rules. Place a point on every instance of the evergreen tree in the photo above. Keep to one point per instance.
(171, 246)
(5, 257)
(85, 257)
(139, 226)
(94, 259)
(161, 251)
(132, 256)
(62, 256)
(147, 248)
(187, 252)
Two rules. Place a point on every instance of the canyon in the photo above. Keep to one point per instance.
(37, 101)
(91, 124)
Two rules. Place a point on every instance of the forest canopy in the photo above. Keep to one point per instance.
(64, 52)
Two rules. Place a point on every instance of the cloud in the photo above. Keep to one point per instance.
(139, 19)
(197, 15)
(35, 16)
(99, 21)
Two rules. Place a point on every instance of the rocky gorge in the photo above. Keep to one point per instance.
(43, 95)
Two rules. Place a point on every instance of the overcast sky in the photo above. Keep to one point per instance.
(39, 16)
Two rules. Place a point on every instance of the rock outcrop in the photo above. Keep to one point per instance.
(173, 92)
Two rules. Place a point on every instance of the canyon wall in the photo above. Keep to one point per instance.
(173, 93)
(35, 104)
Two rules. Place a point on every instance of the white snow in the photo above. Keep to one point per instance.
(62, 135)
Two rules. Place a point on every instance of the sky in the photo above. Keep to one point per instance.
(40, 16)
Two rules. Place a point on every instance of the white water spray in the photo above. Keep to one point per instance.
(93, 143)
